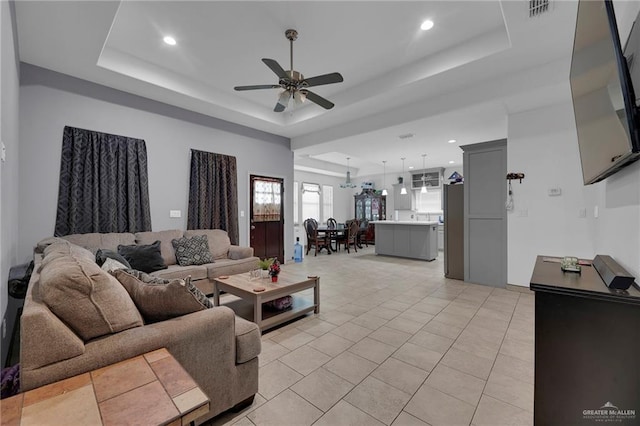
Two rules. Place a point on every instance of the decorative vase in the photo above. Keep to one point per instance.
(274, 278)
(265, 273)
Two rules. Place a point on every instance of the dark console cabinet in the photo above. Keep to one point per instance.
(587, 349)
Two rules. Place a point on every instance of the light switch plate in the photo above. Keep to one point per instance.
(554, 192)
(175, 213)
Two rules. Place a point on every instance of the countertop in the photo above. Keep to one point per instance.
(548, 277)
(404, 222)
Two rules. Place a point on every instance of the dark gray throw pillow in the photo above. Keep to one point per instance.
(192, 251)
(103, 254)
(146, 258)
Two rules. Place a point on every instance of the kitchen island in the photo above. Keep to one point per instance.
(409, 238)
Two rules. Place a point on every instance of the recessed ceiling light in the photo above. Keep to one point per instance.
(169, 40)
(452, 141)
(410, 167)
(451, 162)
(426, 25)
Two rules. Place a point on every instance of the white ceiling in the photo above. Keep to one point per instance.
(481, 61)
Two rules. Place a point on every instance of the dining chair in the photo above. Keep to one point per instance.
(351, 235)
(363, 233)
(334, 237)
(314, 239)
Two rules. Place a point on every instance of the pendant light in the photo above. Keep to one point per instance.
(384, 178)
(423, 190)
(347, 183)
(403, 191)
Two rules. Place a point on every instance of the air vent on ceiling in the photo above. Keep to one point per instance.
(406, 136)
(538, 7)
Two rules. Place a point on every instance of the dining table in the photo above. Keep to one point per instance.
(332, 233)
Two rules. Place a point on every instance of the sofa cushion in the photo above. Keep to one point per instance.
(145, 258)
(248, 340)
(165, 238)
(219, 242)
(46, 242)
(64, 248)
(237, 252)
(192, 250)
(103, 254)
(197, 272)
(159, 299)
(231, 267)
(95, 241)
(88, 299)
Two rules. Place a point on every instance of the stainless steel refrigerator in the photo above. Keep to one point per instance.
(454, 231)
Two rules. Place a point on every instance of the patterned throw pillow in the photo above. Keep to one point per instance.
(158, 299)
(192, 251)
(112, 264)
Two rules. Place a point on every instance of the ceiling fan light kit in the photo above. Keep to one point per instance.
(293, 82)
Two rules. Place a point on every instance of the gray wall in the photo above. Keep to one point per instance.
(49, 101)
(9, 72)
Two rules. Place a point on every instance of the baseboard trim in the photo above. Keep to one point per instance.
(518, 288)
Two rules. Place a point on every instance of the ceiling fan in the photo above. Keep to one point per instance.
(293, 82)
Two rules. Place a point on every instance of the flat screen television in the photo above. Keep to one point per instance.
(604, 101)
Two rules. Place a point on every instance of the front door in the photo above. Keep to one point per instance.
(267, 217)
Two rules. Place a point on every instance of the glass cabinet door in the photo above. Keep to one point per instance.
(367, 208)
(375, 209)
(359, 208)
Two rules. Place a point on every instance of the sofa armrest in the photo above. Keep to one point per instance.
(202, 342)
(237, 252)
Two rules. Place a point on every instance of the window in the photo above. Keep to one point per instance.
(327, 202)
(296, 212)
(311, 201)
(430, 201)
(267, 197)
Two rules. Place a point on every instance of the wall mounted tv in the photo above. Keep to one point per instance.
(604, 102)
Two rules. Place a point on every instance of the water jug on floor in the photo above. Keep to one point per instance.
(297, 251)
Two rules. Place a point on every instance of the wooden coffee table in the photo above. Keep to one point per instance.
(150, 389)
(288, 283)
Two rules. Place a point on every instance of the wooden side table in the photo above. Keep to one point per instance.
(150, 389)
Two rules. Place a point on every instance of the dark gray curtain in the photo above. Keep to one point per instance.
(103, 184)
(213, 193)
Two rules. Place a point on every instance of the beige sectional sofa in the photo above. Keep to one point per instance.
(228, 259)
(217, 348)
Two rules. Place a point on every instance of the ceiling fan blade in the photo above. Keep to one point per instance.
(279, 107)
(275, 67)
(259, 86)
(317, 99)
(319, 80)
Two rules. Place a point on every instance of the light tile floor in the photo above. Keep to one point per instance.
(397, 344)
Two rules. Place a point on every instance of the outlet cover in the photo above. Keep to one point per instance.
(175, 213)
(582, 213)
